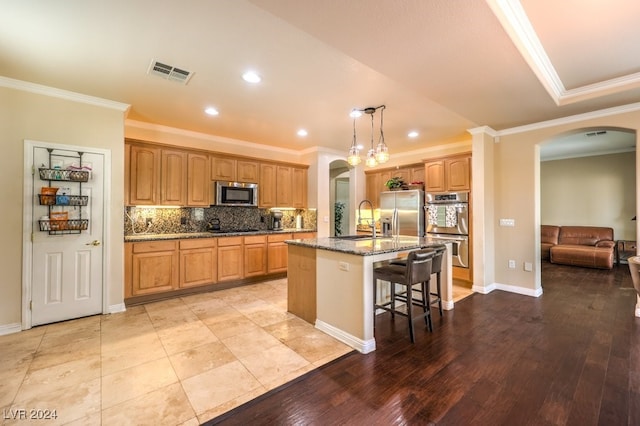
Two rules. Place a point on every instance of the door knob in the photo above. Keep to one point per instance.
(93, 243)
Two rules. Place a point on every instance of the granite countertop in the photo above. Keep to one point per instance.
(187, 235)
(368, 246)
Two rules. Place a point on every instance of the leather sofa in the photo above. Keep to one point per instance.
(588, 246)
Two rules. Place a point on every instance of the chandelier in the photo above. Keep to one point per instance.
(377, 155)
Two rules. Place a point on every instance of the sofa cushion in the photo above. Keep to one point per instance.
(584, 235)
(582, 255)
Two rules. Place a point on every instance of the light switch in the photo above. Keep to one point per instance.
(507, 222)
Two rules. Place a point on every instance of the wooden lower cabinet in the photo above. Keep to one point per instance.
(230, 258)
(198, 264)
(255, 256)
(153, 267)
(277, 256)
(301, 279)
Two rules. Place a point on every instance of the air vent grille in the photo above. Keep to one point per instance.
(598, 133)
(169, 72)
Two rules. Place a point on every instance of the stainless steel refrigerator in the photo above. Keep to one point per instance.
(404, 211)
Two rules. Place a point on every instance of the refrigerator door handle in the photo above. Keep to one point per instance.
(396, 223)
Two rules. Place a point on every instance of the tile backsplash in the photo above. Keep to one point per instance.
(153, 220)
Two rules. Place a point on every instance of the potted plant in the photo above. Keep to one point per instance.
(395, 183)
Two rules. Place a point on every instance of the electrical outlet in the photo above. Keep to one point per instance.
(149, 221)
(343, 266)
(512, 264)
(528, 266)
(183, 221)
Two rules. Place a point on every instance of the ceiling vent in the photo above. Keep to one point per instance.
(598, 133)
(169, 72)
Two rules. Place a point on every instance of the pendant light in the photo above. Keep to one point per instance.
(354, 153)
(377, 155)
(382, 151)
(371, 155)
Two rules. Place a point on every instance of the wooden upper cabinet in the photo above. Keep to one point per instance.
(373, 188)
(267, 188)
(417, 174)
(173, 182)
(300, 186)
(403, 173)
(198, 180)
(247, 171)
(223, 168)
(448, 174)
(144, 175)
(284, 188)
(434, 175)
(458, 173)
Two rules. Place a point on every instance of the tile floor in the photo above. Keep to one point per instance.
(177, 362)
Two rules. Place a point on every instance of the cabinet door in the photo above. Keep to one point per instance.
(299, 188)
(255, 260)
(434, 176)
(198, 181)
(267, 185)
(404, 174)
(173, 178)
(373, 188)
(154, 268)
(248, 171)
(230, 263)
(417, 174)
(277, 256)
(198, 263)
(144, 175)
(284, 190)
(385, 175)
(223, 168)
(458, 176)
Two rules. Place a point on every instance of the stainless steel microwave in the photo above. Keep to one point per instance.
(234, 194)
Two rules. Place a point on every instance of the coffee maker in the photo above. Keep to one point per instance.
(276, 220)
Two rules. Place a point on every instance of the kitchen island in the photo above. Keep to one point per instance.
(330, 282)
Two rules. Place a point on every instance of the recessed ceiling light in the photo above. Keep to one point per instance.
(211, 111)
(413, 134)
(355, 113)
(302, 133)
(251, 77)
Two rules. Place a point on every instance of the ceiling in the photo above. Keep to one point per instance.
(440, 66)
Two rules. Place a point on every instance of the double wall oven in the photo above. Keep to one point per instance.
(447, 219)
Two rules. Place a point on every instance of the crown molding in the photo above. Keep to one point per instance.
(205, 136)
(571, 119)
(516, 23)
(40, 89)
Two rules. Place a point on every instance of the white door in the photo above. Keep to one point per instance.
(66, 269)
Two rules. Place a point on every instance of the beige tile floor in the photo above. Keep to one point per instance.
(176, 362)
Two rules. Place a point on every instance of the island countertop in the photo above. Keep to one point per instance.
(366, 246)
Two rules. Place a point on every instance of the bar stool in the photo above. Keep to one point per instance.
(436, 268)
(417, 270)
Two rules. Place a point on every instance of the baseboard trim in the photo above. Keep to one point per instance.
(507, 287)
(10, 328)
(363, 346)
(114, 309)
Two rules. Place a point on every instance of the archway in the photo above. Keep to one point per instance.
(339, 198)
(587, 177)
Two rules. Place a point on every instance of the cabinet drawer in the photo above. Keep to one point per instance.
(279, 238)
(229, 241)
(197, 243)
(303, 235)
(151, 246)
(255, 239)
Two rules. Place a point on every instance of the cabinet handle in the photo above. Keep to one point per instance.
(94, 243)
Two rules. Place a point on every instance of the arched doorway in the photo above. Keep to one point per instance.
(339, 199)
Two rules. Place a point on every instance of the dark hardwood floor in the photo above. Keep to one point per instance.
(569, 357)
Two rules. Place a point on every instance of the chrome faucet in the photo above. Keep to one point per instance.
(372, 222)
